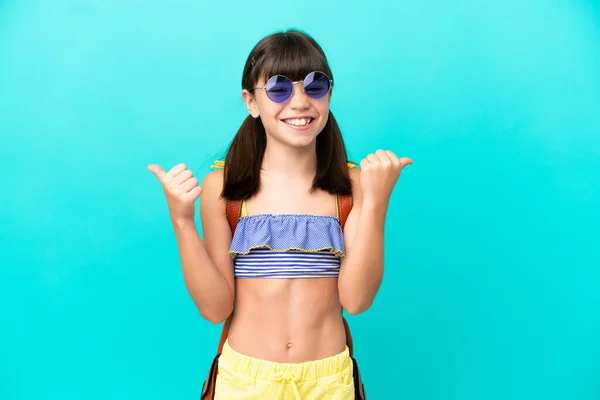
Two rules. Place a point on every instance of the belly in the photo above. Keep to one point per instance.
(287, 320)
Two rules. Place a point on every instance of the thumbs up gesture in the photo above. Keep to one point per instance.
(181, 189)
(379, 174)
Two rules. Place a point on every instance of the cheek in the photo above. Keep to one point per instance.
(323, 110)
(322, 106)
(269, 110)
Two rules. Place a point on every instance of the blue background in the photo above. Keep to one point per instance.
(492, 279)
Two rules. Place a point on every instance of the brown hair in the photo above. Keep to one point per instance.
(294, 54)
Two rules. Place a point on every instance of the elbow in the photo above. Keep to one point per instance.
(216, 316)
(355, 300)
(213, 319)
(357, 309)
(357, 306)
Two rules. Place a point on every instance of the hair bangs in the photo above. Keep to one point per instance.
(294, 63)
(291, 55)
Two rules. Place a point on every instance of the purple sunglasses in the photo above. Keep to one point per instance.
(280, 89)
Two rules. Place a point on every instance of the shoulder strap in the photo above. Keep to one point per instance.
(233, 211)
(345, 206)
(224, 333)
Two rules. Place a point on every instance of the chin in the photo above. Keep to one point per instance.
(298, 141)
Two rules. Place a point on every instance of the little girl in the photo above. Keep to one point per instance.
(307, 228)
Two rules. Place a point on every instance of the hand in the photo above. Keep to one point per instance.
(181, 190)
(379, 173)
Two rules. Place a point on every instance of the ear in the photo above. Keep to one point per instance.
(250, 102)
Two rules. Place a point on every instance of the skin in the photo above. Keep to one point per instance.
(283, 320)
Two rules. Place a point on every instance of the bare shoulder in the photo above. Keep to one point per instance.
(212, 205)
(213, 181)
(212, 186)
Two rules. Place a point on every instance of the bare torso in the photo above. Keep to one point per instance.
(288, 320)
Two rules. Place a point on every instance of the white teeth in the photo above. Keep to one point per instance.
(298, 121)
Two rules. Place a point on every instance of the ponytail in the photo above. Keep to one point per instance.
(244, 159)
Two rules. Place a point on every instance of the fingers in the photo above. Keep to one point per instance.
(393, 158)
(373, 159)
(157, 171)
(385, 158)
(193, 194)
(174, 171)
(179, 181)
(381, 158)
(182, 177)
(176, 175)
(189, 184)
(398, 162)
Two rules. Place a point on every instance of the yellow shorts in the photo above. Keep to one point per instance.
(242, 377)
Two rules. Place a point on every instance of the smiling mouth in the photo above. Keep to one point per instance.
(298, 121)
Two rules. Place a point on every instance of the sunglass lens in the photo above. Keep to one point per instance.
(279, 88)
(317, 85)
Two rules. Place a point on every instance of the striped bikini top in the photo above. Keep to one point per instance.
(287, 245)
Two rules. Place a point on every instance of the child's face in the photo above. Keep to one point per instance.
(296, 122)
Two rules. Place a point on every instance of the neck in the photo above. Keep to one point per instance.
(288, 162)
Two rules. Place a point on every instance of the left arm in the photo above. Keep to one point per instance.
(361, 271)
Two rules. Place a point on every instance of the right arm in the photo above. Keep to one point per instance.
(207, 266)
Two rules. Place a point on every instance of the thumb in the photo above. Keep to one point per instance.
(404, 161)
(157, 171)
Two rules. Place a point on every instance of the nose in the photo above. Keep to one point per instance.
(299, 99)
